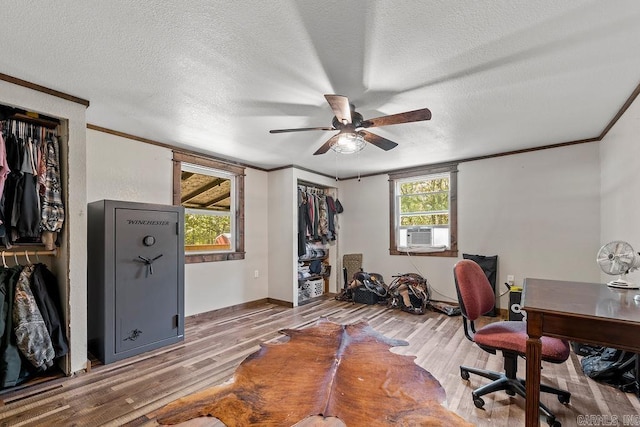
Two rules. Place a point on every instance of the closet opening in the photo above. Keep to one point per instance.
(317, 233)
(34, 335)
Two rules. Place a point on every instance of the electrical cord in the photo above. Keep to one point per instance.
(505, 292)
(454, 300)
(440, 293)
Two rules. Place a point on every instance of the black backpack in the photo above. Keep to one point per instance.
(612, 366)
(373, 282)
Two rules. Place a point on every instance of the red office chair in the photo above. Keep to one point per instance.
(476, 298)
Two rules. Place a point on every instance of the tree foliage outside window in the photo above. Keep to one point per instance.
(204, 229)
(418, 220)
(208, 197)
(424, 201)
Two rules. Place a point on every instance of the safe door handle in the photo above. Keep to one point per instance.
(149, 263)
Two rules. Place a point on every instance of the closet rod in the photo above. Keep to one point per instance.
(28, 253)
(312, 189)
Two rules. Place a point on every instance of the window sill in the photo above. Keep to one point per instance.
(448, 253)
(224, 256)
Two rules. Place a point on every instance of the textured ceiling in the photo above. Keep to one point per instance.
(216, 76)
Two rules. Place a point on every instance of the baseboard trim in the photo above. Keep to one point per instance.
(228, 310)
(280, 302)
(231, 309)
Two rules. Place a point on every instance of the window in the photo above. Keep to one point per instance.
(208, 199)
(423, 211)
(211, 193)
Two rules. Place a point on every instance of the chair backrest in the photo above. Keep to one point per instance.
(475, 293)
(352, 263)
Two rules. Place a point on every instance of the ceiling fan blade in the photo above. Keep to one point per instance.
(378, 141)
(394, 119)
(340, 106)
(299, 129)
(325, 147)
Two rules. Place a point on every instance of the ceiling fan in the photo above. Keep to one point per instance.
(353, 135)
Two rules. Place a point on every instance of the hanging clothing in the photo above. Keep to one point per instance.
(31, 206)
(27, 223)
(10, 360)
(41, 163)
(4, 165)
(14, 159)
(302, 223)
(30, 316)
(4, 173)
(26, 219)
(331, 213)
(45, 291)
(32, 337)
(52, 206)
(312, 215)
(316, 218)
(323, 218)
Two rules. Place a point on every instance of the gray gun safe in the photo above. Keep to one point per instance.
(135, 288)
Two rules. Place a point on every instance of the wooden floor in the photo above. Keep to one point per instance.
(123, 393)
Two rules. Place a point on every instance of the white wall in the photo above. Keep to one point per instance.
(620, 181)
(538, 211)
(124, 169)
(213, 285)
(282, 237)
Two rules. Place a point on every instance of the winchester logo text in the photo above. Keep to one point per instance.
(146, 222)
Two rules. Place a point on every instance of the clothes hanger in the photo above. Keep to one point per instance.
(26, 255)
(4, 261)
(15, 257)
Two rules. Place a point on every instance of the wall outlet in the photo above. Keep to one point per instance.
(510, 279)
(256, 274)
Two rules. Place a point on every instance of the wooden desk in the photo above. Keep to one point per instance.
(590, 313)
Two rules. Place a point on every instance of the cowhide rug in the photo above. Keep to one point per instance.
(324, 371)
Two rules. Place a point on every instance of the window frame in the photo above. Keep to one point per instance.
(452, 170)
(237, 173)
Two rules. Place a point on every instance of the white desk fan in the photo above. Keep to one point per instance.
(618, 258)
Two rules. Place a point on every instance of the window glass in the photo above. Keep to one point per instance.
(207, 196)
(210, 192)
(423, 211)
(423, 205)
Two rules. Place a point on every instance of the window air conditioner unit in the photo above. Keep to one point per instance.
(420, 236)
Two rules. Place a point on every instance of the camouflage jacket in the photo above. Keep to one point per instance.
(32, 336)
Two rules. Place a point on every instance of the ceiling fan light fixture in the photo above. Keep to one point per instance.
(352, 127)
(349, 143)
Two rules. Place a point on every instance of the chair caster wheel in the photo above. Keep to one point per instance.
(478, 401)
(464, 374)
(510, 392)
(553, 422)
(564, 398)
